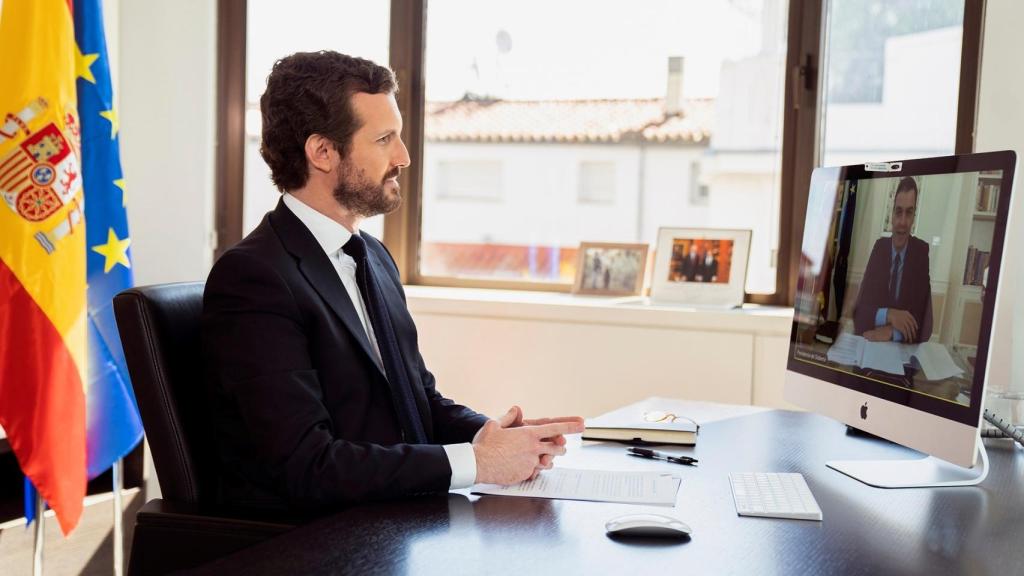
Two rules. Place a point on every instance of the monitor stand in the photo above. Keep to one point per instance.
(928, 472)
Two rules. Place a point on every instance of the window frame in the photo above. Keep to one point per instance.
(800, 149)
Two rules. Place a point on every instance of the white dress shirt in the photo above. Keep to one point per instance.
(332, 237)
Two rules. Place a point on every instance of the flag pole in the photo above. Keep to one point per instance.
(118, 480)
(37, 552)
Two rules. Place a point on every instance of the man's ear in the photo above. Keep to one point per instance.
(320, 153)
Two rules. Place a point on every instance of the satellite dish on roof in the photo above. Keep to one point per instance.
(503, 40)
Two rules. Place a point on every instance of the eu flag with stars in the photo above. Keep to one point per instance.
(113, 426)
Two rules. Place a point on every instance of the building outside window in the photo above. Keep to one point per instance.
(469, 180)
(892, 75)
(670, 113)
(596, 182)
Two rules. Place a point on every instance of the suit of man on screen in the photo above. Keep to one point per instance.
(320, 395)
(894, 303)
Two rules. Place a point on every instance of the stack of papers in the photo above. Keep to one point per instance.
(651, 488)
(890, 357)
(854, 350)
(847, 349)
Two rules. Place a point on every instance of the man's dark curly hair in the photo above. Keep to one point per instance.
(310, 93)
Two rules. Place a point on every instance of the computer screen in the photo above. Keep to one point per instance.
(896, 289)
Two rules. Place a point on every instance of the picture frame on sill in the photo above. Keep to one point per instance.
(701, 267)
(610, 269)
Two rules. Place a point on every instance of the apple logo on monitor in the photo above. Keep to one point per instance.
(864, 411)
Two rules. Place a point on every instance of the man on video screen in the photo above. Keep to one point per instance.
(894, 303)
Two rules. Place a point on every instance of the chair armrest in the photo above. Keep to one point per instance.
(172, 536)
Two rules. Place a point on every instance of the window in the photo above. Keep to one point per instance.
(892, 72)
(599, 134)
(276, 29)
(601, 122)
(596, 183)
(700, 195)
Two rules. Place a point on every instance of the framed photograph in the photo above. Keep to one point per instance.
(610, 269)
(701, 266)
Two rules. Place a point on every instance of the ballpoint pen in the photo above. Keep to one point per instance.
(652, 455)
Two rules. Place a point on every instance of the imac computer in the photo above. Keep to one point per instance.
(897, 285)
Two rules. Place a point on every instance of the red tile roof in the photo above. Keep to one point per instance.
(472, 120)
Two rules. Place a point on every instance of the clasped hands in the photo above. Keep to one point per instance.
(896, 320)
(512, 449)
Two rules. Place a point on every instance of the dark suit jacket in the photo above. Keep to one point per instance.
(304, 416)
(915, 287)
(708, 271)
(692, 266)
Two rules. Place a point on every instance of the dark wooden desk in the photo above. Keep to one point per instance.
(865, 530)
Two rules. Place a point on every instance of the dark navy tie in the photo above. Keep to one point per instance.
(894, 279)
(387, 342)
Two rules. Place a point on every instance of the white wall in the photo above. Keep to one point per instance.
(164, 65)
(540, 188)
(667, 195)
(555, 354)
(1000, 127)
(538, 203)
(749, 124)
(167, 88)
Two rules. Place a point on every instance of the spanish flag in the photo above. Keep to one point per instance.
(43, 330)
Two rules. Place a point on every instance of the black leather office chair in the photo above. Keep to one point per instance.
(160, 333)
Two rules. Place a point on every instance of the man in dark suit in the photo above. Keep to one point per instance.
(691, 264)
(894, 303)
(709, 269)
(320, 393)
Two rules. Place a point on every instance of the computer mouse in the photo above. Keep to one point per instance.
(657, 525)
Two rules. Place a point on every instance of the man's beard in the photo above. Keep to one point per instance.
(363, 197)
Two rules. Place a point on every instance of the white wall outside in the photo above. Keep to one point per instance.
(540, 203)
(1001, 126)
(918, 108)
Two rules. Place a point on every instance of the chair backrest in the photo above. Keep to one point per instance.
(160, 333)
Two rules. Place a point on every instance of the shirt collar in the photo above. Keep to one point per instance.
(902, 252)
(329, 234)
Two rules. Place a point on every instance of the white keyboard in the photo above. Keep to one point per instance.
(773, 495)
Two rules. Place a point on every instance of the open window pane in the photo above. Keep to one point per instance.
(892, 76)
(595, 123)
(277, 29)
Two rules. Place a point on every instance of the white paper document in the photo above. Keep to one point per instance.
(847, 349)
(907, 353)
(884, 356)
(936, 361)
(857, 351)
(933, 358)
(651, 488)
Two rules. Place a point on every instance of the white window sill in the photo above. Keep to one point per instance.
(623, 311)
